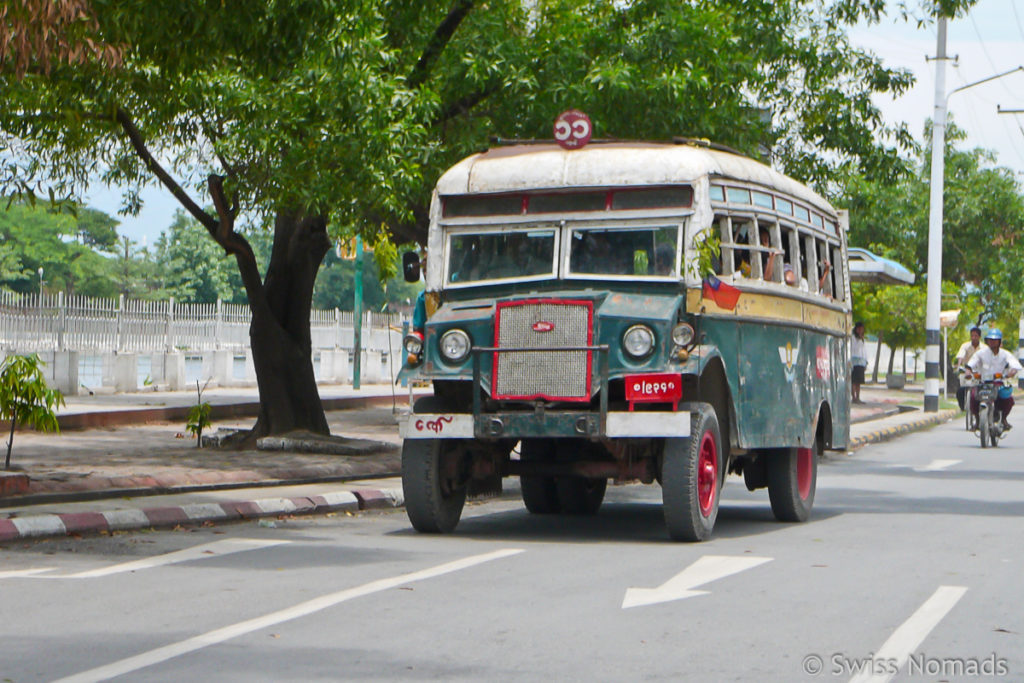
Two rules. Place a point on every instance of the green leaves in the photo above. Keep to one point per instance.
(25, 399)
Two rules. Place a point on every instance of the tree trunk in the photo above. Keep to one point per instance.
(892, 358)
(878, 357)
(280, 334)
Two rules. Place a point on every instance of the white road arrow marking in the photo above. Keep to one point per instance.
(937, 465)
(909, 636)
(705, 570)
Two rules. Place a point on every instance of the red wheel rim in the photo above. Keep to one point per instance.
(804, 469)
(707, 474)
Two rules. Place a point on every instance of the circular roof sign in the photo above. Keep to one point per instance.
(573, 129)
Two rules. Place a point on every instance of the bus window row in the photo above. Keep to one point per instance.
(759, 199)
(767, 249)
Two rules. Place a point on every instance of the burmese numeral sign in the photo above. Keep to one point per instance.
(654, 388)
(823, 363)
(573, 129)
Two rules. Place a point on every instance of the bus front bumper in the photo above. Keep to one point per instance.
(523, 425)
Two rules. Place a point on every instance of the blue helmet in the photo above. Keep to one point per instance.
(994, 333)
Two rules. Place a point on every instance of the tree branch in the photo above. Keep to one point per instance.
(233, 243)
(442, 35)
(464, 104)
(139, 144)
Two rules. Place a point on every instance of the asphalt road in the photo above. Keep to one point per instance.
(910, 569)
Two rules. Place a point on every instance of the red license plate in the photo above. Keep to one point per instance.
(660, 387)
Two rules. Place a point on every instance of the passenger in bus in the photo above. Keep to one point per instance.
(664, 259)
(769, 257)
(825, 267)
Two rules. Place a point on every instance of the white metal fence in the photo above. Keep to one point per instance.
(53, 322)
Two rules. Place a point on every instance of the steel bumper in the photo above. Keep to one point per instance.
(520, 425)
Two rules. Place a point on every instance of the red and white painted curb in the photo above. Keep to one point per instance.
(63, 524)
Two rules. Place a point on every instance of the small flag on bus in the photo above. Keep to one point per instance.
(724, 295)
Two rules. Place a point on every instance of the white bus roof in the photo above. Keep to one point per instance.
(548, 166)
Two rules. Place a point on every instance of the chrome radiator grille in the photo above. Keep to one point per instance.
(548, 324)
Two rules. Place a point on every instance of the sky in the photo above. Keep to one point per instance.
(988, 41)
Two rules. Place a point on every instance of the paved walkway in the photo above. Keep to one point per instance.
(138, 468)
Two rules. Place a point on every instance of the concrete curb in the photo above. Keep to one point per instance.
(39, 526)
(219, 411)
(888, 433)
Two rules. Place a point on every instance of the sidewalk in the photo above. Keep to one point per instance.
(133, 472)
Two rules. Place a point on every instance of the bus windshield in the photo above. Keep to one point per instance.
(473, 257)
(633, 252)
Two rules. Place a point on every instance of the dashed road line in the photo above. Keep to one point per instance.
(906, 639)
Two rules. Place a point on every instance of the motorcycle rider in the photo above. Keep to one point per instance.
(990, 360)
(963, 356)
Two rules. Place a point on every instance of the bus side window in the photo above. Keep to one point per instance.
(808, 265)
(838, 286)
(725, 262)
(743, 235)
(824, 277)
(769, 264)
(790, 255)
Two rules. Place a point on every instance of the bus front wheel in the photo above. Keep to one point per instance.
(792, 480)
(690, 477)
(540, 493)
(434, 495)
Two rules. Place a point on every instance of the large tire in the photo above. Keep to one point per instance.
(691, 477)
(580, 495)
(433, 501)
(540, 494)
(985, 425)
(792, 482)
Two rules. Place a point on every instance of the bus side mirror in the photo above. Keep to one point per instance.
(411, 266)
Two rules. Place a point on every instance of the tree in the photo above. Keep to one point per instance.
(343, 113)
(194, 267)
(982, 245)
(45, 237)
(25, 398)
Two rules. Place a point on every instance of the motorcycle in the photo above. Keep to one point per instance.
(990, 420)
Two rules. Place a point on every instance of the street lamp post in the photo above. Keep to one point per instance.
(40, 271)
(933, 305)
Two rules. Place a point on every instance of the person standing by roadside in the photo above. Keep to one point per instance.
(859, 360)
(963, 356)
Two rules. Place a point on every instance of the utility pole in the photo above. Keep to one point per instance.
(938, 169)
(357, 364)
(933, 305)
(1020, 323)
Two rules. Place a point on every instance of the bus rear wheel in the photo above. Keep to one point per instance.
(792, 481)
(691, 479)
(434, 496)
(540, 493)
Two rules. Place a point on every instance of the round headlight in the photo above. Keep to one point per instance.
(413, 343)
(455, 346)
(638, 341)
(682, 334)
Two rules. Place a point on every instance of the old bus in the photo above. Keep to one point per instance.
(665, 313)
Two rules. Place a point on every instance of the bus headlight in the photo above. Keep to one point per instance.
(638, 341)
(682, 334)
(455, 346)
(413, 343)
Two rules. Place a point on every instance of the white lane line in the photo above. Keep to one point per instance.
(937, 465)
(16, 573)
(162, 654)
(199, 552)
(909, 636)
